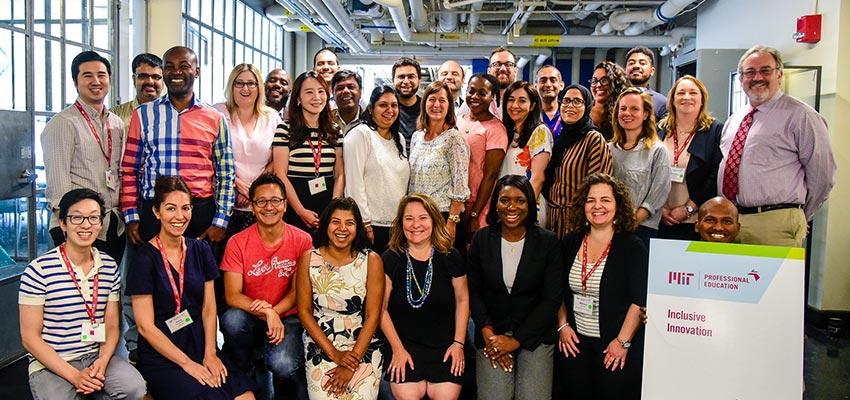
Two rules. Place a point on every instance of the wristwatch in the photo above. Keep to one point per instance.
(625, 343)
(454, 218)
(689, 209)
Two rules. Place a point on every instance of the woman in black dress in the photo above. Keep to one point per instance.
(307, 153)
(425, 317)
(171, 284)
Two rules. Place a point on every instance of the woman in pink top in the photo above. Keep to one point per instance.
(252, 126)
(487, 141)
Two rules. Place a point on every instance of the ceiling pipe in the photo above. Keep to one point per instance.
(481, 39)
(449, 5)
(521, 63)
(442, 53)
(319, 30)
(474, 17)
(399, 16)
(526, 16)
(334, 24)
(663, 14)
(420, 16)
(341, 15)
(448, 22)
(575, 71)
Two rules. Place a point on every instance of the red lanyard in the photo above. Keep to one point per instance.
(557, 122)
(317, 155)
(96, 136)
(584, 274)
(677, 151)
(178, 294)
(90, 311)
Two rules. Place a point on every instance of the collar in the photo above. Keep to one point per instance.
(92, 112)
(166, 100)
(767, 105)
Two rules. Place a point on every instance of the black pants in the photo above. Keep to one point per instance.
(113, 246)
(585, 377)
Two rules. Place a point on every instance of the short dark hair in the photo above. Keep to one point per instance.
(642, 50)
(75, 196)
(87, 56)
(361, 238)
(329, 50)
(522, 183)
(493, 82)
(344, 74)
(146, 58)
(266, 178)
(165, 185)
(408, 62)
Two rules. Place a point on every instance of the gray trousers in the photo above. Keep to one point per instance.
(530, 378)
(122, 382)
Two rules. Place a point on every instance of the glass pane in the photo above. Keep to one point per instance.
(71, 51)
(102, 38)
(13, 70)
(193, 8)
(206, 12)
(228, 17)
(240, 21)
(228, 52)
(76, 20)
(257, 39)
(40, 8)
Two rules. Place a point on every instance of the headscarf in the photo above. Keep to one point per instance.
(570, 135)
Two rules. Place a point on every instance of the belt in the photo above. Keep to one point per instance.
(761, 209)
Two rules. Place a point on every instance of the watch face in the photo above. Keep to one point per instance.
(626, 345)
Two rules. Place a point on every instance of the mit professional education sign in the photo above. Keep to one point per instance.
(725, 322)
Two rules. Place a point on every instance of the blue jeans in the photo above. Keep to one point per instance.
(245, 336)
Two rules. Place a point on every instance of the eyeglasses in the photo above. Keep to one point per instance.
(764, 71)
(575, 102)
(498, 65)
(241, 84)
(78, 219)
(604, 81)
(144, 77)
(274, 201)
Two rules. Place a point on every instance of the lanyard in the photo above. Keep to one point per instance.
(677, 151)
(90, 311)
(108, 155)
(317, 155)
(584, 274)
(178, 295)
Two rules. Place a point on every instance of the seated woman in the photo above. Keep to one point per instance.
(71, 344)
(599, 322)
(171, 284)
(341, 285)
(430, 285)
(515, 290)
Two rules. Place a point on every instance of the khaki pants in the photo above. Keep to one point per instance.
(784, 227)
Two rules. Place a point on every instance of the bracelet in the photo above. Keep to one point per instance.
(562, 326)
(473, 214)
(458, 342)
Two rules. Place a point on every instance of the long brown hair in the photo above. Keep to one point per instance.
(298, 130)
(434, 87)
(648, 132)
(440, 238)
(625, 219)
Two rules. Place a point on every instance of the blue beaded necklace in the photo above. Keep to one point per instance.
(411, 277)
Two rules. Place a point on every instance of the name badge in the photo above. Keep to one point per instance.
(677, 174)
(110, 178)
(582, 304)
(179, 321)
(317, 185)
(93, 333)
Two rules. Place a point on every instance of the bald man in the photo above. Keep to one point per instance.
(549, 86)
(718, 221)
(451, 73)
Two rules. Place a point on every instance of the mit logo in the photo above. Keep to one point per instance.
(679, 278)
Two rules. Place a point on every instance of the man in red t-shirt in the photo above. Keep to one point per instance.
(259, 270)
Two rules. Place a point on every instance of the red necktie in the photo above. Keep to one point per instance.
(733, 159)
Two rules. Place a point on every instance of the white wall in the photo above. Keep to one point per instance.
(730, 24)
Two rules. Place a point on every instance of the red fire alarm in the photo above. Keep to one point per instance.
(808, 28)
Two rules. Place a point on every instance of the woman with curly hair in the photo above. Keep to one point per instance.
(609, 80)
(599, 322)
(340, 288)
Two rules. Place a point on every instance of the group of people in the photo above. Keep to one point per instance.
(356, 240)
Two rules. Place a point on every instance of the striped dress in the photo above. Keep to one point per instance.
(588, 156)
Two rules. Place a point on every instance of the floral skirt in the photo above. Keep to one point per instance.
(363, 386)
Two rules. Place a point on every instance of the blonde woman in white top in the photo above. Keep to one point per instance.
(252, 126)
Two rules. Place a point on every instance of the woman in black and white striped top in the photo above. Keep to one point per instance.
(307, 153)
(598, 325)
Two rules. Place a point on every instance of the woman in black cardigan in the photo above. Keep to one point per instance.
(692, 140)
(599, 324)
(515, 278)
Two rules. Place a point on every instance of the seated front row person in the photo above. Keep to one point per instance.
(259, 283)
(69, 312)
(171, 284)
(718, 221)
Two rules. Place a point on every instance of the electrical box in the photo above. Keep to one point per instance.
(808, 28)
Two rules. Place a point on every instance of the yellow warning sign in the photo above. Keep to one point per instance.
(450, 36)
(546, 41)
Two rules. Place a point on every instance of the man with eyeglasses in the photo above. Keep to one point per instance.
(147, 78)
(503, 67)
(82, 147)
(406, 75)
(778, 166)
(549, 86)
(259, 268)
(347, 86)
(640, 66)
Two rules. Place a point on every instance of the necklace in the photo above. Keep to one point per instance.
(411, 277)
(513, 245)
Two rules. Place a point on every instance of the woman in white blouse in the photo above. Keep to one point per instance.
(376, 170)
(252, 127)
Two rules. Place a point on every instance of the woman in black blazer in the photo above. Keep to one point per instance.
(599, 324)
(515, 275)
(692, 140)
